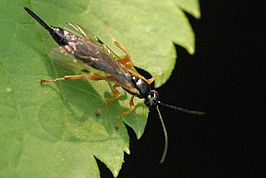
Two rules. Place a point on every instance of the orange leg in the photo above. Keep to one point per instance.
(120, 46)
(127, 62)
(149, 81)
(124, 60)
(132, 107)
(75, 77)
(117, 95)
(126, 57)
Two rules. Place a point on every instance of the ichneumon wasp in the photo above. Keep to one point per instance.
(84, 52)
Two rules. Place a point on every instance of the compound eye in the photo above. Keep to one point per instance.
(152, 99)
(154, 94)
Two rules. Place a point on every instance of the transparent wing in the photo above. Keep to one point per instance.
(82, 32)
(68, 61)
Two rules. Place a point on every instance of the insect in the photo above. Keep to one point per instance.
(84, 52)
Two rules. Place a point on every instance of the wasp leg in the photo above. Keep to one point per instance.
(132, 107)
(126, 59)
(117, 95)
(75, 77)
(122, 48)
(149, 81)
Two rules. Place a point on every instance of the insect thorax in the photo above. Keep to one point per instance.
(142, 86)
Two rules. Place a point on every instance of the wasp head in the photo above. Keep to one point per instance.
(152, 99)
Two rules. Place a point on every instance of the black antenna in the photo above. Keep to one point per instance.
(38, 19)
(165, 136)
(182, 109)
(163, 126)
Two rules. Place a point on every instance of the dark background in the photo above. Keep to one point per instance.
(223, 78)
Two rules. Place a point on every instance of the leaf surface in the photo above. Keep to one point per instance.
(51, 130)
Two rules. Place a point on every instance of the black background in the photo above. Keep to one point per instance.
(223, 78)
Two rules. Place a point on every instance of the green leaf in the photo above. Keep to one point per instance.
(52, 131)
